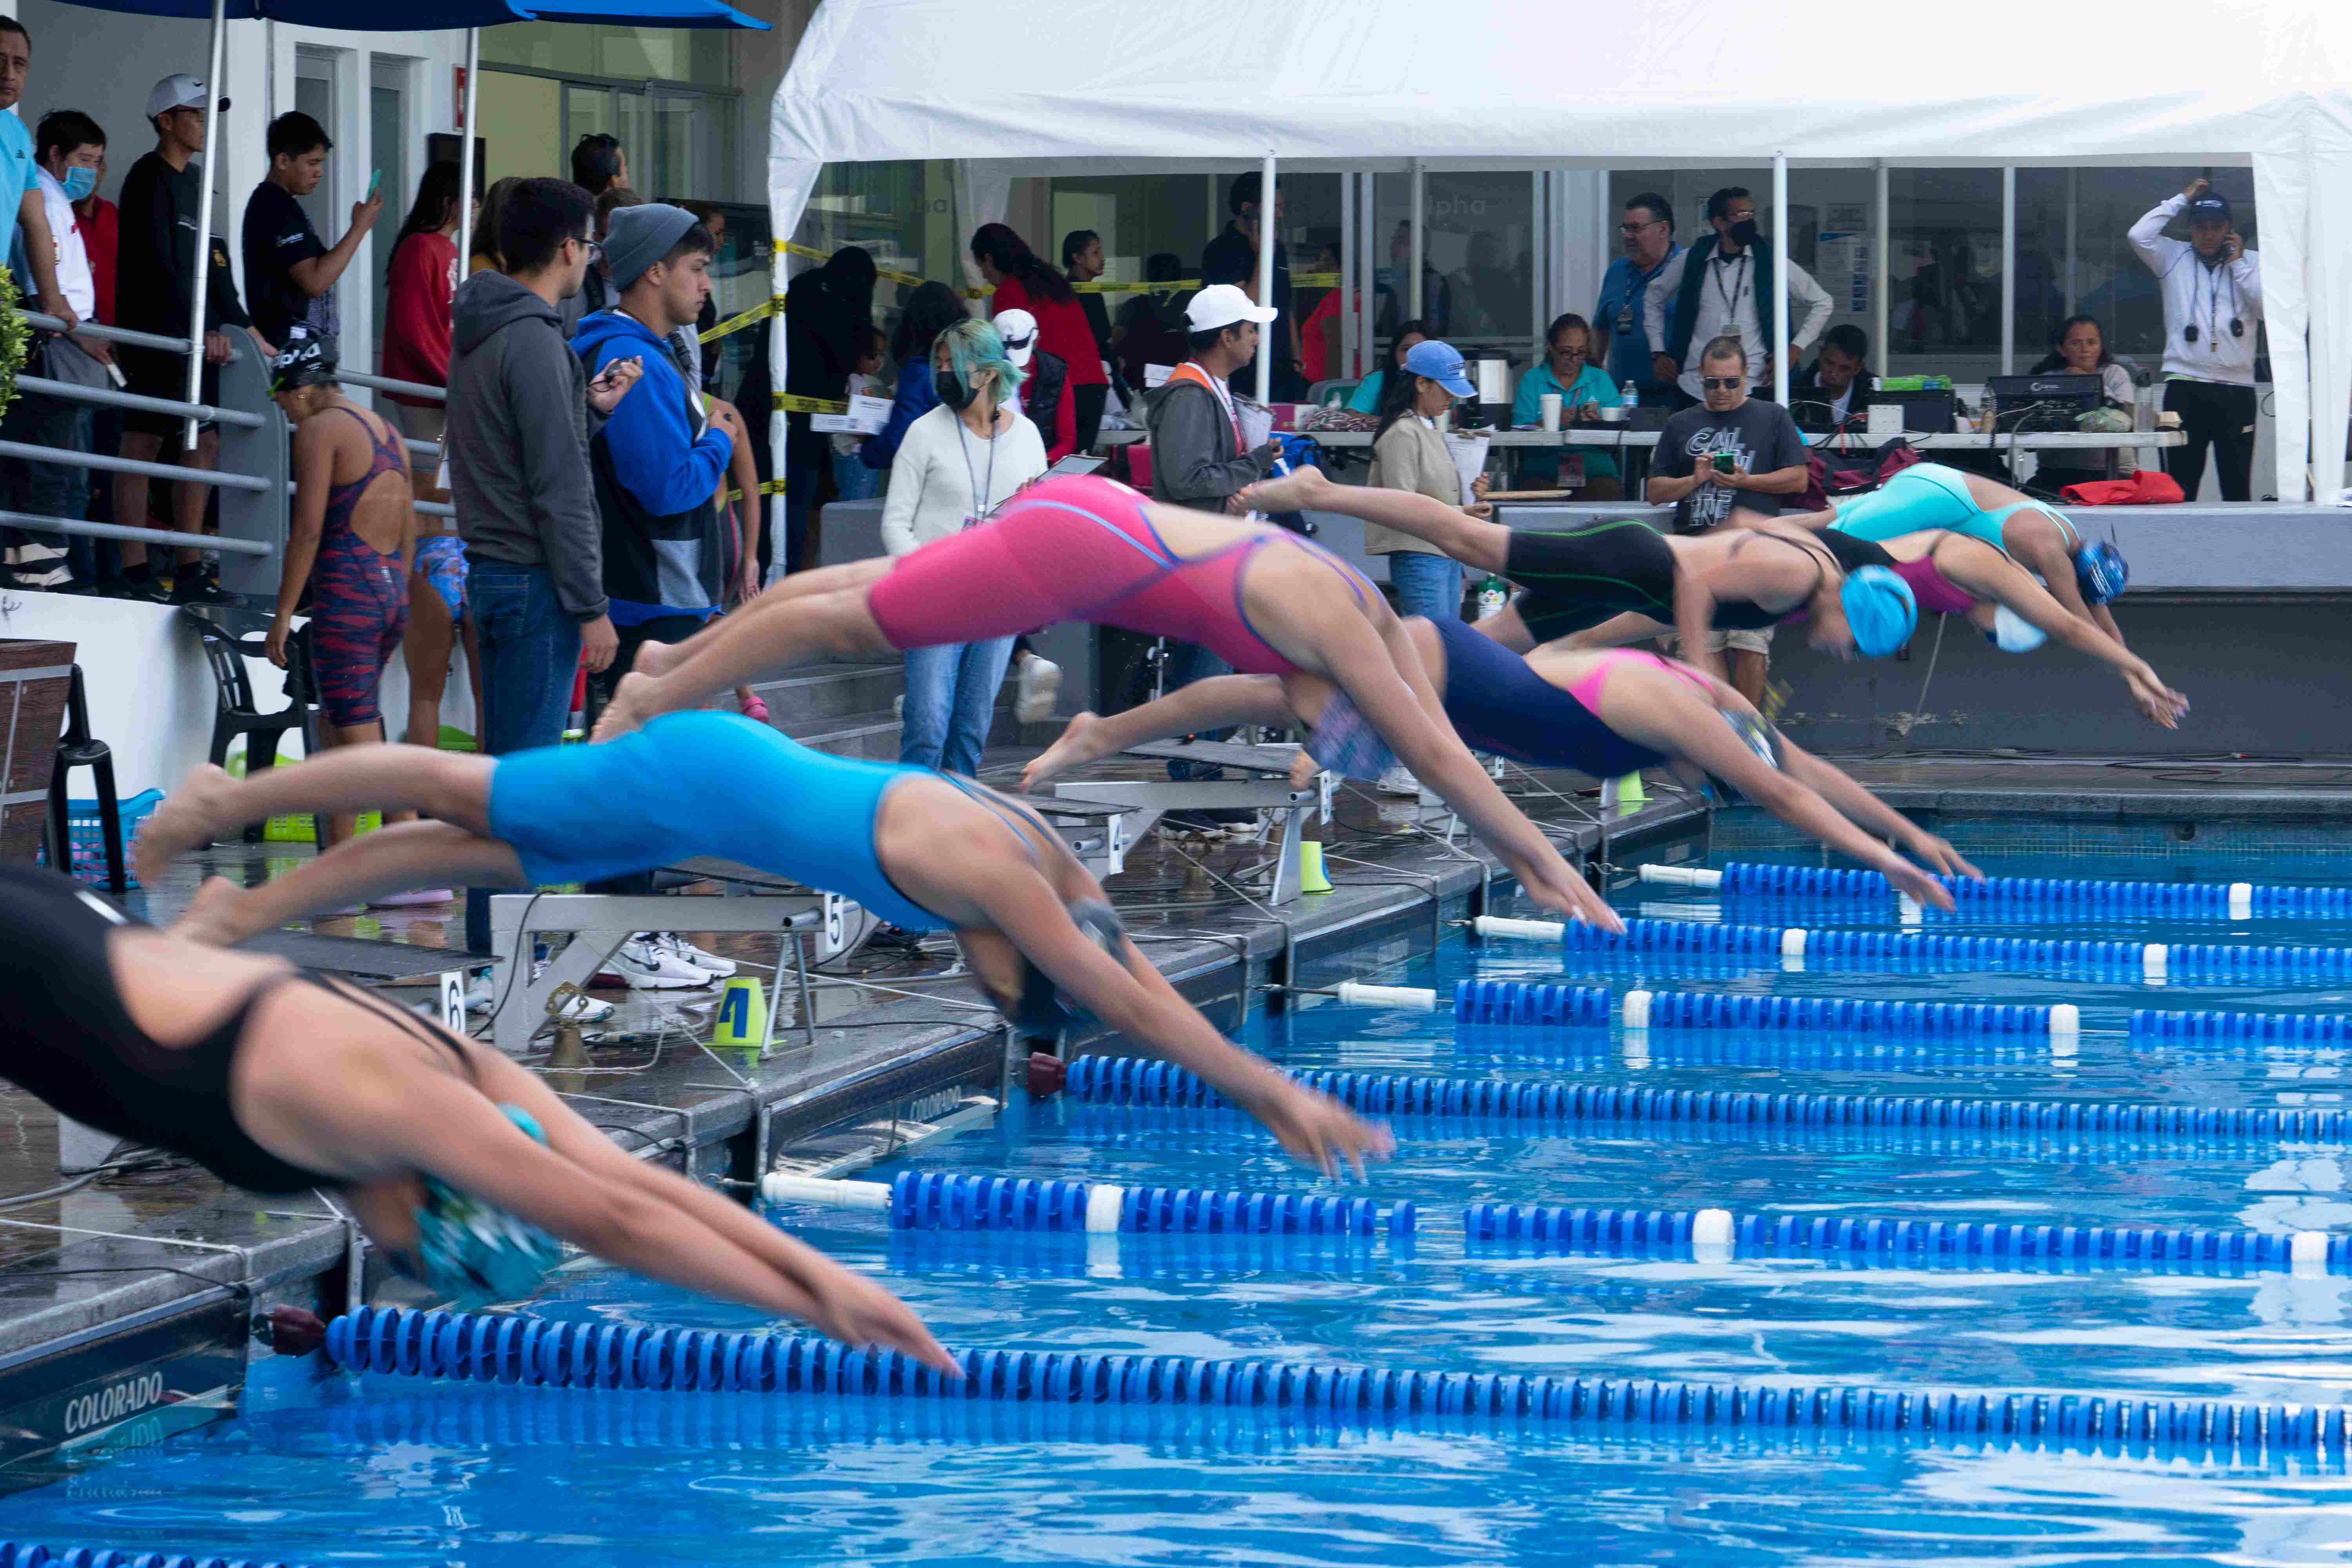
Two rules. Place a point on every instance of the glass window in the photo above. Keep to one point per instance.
(625, 54)
(2090, 268)
(314, 95)
(1142, 216)
(388, 135)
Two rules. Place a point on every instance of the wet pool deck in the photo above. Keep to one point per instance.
(138, 1244)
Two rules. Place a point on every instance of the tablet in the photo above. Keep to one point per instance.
(1073, 464)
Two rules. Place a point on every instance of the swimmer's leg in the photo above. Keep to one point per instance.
(660, 658)
(209, 804)
(390, 861)
(1212, 704)
(1631, 626)
(775, 634)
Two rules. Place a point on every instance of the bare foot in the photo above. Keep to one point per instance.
(1074, 748)
(211, 918)
(194, 814)
(1303, 769)
(629, 708)
(654, 659)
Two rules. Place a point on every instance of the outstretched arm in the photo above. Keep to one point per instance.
(1448, 528)
(1870, 813)
(1694, 619)
(1989, 574)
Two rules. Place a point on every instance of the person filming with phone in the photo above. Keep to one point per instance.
(2213, 287)
(1733, 453)
(289, 272)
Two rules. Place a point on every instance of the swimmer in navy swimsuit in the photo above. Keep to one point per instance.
(923, 850)
(279, 1081)
(1605, 714)
(1267, 602)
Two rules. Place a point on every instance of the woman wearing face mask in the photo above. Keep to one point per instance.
(957, 464)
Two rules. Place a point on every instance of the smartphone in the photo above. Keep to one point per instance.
(1724, 463)
(374, 181)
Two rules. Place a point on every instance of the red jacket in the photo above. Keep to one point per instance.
(1062, 329)
(417, 291)
(97, 239)
(2147, 487)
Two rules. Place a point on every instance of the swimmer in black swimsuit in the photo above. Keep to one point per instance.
(1605, 714)
(457, 1162)
(1726, 580)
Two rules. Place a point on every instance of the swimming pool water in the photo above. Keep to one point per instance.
(326, 1468)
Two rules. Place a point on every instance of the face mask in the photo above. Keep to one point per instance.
(80, 181)
(1744, 232)
(955, 393)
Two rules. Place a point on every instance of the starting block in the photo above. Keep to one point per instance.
(1266, 786)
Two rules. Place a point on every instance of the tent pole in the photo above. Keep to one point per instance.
(1365, 301)
(2009, 270)
(1268, 237)
(1413, 257)
(466, 154)
(196, 287)
(1781, 278)
(2074, 178)
(1882, 308)
(1347, 281)
(1539, 243)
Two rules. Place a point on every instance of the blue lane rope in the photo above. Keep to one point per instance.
(951, 1200)
(27, 1554)
(1902, 1244)
(1530, 1002)
(1138, 1081)
(2248, 1028)
(1866, 1054)
(496, 1348)
(1751, 879)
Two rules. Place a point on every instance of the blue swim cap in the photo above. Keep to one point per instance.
(476, 1253)
(2100, 572)
(1042, 1012)
(1879, 609)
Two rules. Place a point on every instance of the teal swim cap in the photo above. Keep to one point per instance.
(476, 1253)
(1879, 609)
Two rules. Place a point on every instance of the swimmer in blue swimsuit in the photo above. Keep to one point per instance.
(1605, 714)
(922, 850)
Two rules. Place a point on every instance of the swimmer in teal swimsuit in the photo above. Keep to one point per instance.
(921, 849)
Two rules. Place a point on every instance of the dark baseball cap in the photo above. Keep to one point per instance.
(2211, 205)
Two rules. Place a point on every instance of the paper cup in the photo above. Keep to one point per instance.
(1552, 410)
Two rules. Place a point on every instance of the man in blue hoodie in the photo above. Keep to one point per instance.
(659, 457)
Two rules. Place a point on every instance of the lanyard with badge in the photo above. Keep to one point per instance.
(980, 507)
(1730, 297)
(1637, 285)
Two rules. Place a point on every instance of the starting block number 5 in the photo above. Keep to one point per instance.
(836, 926)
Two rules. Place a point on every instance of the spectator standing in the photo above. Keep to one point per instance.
(657, 457)
(518, 455)
(482, 240)
(1732, 452)
(1366, 398)
(1584, 390)
(418, 288)
(1023, 282)
(1409, 453)
(705, 355)
(1319, 334)
(163, 221)
(68, 147)
(852, 479)
(599, 162)
(821, 315)
(2081, 348)
(290, 273)
(1151, 327)
(1725, 289)
(18, 193)
(930, 310)
(958, 464)
(100, 225)
(99, 221)
(1646, 231)
(2213, 287)
(1044, 396)
(596, 285)
(1822, 395)
(1082, 262)
(1232, 258)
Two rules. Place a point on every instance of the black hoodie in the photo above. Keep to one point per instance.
(518, 441)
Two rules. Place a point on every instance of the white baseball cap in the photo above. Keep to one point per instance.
(178, 90)
(1019, 331)
(1223, 304)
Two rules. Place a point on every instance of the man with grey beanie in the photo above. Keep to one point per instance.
(659, 457)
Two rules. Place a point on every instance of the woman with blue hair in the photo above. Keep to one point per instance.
(955, 466)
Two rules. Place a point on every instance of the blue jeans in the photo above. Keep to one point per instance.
(1426, 585)
(51, 490)
(853, 479)
(950, 697)
(529, 648)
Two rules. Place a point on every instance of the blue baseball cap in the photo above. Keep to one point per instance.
(1879, 609)
(1441, 362)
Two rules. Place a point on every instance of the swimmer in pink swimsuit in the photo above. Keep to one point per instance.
(1092, 550)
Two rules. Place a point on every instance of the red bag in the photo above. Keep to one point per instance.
(2148, 487)
(1835, 471)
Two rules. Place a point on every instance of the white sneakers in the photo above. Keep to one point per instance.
(1035, 685)
(711, 963)
(646, 964)
(1398, 780)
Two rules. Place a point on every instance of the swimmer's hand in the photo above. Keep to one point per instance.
(1317, 1128)
(1939, 855)
(2156, 702)
(856, 1311)
(613, 384)
(1299, 490)
(1573, 898)
(1919, 885)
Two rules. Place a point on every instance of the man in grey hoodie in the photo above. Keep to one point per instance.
(517, 446)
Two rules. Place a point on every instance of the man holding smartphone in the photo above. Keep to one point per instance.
(290, 273)
(1731, 453)
(2213, 287)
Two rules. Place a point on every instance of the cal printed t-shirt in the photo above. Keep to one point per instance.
(1760, 438)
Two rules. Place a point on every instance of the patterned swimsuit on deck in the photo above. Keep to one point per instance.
(359, 596)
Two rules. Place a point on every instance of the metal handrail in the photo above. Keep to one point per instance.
(106, 397)
(64, 458)
(111, 335)
(386, 383)
(35, 524)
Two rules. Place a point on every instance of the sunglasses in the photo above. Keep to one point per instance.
(1723, 383)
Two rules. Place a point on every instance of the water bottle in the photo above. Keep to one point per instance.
(1492, 596)
(1630, 394)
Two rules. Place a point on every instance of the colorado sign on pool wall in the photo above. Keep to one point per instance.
(742, 1016)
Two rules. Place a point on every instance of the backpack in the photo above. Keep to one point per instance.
(1831, 472)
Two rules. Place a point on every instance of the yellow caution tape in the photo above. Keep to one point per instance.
(793, 403)
(759, 313)
(1105, 285)
(1315, 280)
(794, 248)
(771, 487)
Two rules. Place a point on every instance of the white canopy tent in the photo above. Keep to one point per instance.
(1074, 87)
